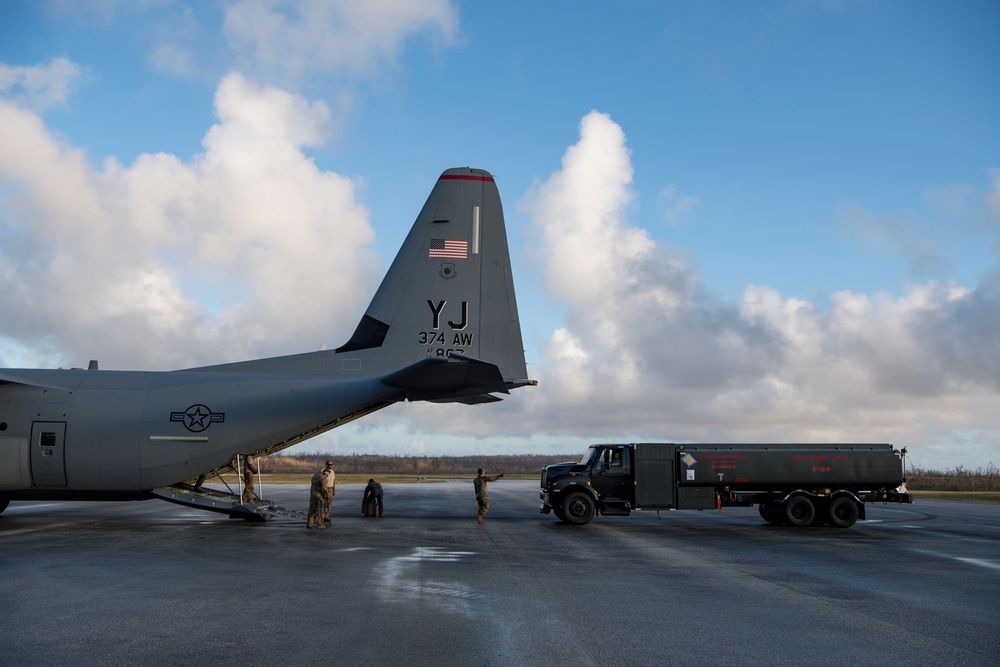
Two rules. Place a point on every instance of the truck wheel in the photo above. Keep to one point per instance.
(770, 512)
(798, 511)
(559, 513)
(578, 508)
(843, 512)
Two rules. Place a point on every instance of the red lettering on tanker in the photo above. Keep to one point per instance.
(723, 461)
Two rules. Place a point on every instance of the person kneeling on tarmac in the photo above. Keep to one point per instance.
(372, 499)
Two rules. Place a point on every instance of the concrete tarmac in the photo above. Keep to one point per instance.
(155, 583)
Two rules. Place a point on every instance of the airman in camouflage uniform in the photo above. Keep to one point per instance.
(249, 470)
(482, 493)
(329, 490)
(317, 498)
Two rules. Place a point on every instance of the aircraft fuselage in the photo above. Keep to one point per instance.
(119, 434)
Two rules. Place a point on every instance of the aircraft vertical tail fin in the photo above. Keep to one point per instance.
(443, 325)
(449, 293)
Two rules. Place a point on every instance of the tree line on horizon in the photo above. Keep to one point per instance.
(918, 479)
(956, 479)
(382, 464)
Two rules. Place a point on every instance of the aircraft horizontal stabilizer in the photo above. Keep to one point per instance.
(444, 379)
(474, 400)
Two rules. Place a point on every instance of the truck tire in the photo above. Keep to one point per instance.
(798, 511)
(771, 512)
(843, 512)
(578, 508)
(559, 513)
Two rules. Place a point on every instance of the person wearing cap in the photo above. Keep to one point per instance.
(329, 490)
(372, 499)
(317, 499)
(482, 493)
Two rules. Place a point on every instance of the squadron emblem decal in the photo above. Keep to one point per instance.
(197, 418)
(447, 270)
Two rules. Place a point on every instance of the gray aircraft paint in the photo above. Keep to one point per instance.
(443, 326)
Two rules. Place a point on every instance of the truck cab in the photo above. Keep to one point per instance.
(611, 472)
(603, 481)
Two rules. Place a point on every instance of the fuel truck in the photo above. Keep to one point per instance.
(792, 485)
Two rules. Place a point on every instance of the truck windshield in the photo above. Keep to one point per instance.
(588, 456)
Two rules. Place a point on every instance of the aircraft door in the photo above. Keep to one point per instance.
(48, 456)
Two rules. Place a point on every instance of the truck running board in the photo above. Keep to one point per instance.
(615, 508)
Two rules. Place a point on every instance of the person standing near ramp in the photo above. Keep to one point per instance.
(372, 499)
(329, 490)
(482, 493)
(249, 470)
(317, 500)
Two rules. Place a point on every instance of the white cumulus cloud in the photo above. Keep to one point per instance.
(39, 87)
(248, 249)
(296, 37)
(647, 351)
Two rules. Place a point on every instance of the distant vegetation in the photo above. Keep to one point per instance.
(918, 479)
(959, 479)
(375, 464)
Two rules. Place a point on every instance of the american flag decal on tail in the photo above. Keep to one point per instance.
(449, 249)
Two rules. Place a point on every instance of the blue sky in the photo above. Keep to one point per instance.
(788, 212)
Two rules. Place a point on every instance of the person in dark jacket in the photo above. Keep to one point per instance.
(372, 500)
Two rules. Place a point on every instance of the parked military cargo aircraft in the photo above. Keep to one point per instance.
(443, 327)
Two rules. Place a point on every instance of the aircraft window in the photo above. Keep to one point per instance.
(47, 440)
